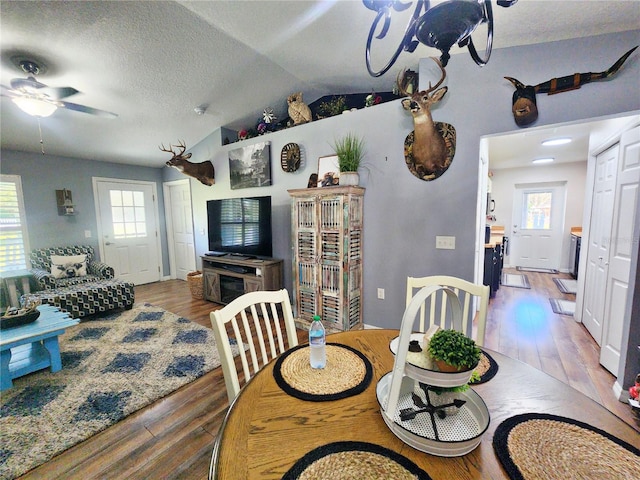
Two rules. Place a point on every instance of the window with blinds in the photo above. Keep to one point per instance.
(14, 241)
(240, 219)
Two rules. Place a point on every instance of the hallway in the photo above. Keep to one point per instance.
(522, 325)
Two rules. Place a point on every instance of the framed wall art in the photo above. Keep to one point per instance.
(250, 166)
(328, 171)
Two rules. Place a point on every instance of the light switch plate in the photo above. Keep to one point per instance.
(445, 242)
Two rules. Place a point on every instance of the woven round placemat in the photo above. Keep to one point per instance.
(487, 368)
(537, 445)
(354, 461)
(347, 372)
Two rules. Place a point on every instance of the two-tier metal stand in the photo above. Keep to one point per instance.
(408, 402)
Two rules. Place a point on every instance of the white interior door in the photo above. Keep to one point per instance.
(127, 222)
(538, 223)
(597, 265)
(622, 248)
(177, 203)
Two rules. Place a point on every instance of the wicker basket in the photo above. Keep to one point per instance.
(194, 279)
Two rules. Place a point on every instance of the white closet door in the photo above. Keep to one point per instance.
(622, 248)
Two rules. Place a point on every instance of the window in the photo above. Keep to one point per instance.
(127, 214)
(240, 220)
(536, 211)
(14, 241)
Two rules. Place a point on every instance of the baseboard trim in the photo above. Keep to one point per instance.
(619, 392)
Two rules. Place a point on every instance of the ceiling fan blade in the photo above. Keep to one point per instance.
(85, 109)
(59, 92)
(30, 83)
(8, 92)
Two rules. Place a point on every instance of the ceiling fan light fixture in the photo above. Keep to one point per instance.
(35, 107)
(449, 23)
(556, 141)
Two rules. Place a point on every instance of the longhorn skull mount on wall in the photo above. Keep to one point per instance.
(524, 108)
(430, 148)
(203, 172)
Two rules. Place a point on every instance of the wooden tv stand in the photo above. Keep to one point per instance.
(228, 276)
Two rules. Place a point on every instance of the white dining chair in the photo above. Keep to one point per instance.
(474, 300)
(255, 320)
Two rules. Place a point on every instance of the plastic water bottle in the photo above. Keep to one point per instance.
(318, 356)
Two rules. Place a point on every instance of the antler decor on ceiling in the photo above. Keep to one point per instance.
(441, 26)
(203, 172)
(524, 107)
(430, 148)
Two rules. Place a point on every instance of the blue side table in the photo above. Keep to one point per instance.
(33, 346)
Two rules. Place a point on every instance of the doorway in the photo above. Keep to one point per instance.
(538, 224)
(127, 217)
(179, 219)
(595, 133)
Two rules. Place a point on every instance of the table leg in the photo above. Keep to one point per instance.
(13, 293)
(51, 344)
(5, 375)
(25, 285)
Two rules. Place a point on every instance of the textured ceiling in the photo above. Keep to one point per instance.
(153, 62)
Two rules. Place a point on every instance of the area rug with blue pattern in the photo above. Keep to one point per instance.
(111, 367)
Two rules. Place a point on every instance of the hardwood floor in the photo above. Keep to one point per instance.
(173, 437)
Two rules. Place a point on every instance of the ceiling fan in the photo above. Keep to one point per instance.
(40, 100)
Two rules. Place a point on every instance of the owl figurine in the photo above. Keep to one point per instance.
(298, 110)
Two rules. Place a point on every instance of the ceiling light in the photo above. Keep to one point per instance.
(35, 107)
(543, 160)
(556, 141)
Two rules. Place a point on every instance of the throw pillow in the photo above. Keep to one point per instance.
(68, 266)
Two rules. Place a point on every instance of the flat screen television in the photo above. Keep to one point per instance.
(240, 226)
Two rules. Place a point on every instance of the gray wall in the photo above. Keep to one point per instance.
(42, 175)
(403, 214)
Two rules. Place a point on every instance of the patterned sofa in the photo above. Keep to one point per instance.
(77, 283)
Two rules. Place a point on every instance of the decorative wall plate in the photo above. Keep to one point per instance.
(290, 157)
(448, 132)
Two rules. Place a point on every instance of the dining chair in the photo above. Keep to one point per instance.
(474, 300)
(255, 319)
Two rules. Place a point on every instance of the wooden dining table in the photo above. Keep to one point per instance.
(267, 430)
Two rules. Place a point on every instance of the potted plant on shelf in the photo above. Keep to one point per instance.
(453, 351)
(350, 150)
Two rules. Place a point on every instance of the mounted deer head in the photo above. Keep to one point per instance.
(203, 172)
(524, 108)
(433, 143)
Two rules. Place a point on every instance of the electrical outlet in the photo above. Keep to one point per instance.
(87, 234)
(381, 293)
(445, 243)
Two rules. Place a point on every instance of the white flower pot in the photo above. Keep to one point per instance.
(349, 178)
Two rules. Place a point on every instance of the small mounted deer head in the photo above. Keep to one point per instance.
(203, 172)
(431, 149)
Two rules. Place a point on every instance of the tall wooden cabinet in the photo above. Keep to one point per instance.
(327, 229)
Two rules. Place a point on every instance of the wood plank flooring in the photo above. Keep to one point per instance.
(173, 437)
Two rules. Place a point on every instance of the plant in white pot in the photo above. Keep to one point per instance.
(350, 151)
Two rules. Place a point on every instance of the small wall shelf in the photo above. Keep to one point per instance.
(64, 201)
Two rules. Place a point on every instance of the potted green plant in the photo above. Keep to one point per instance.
(350, 150)
(453, 351)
